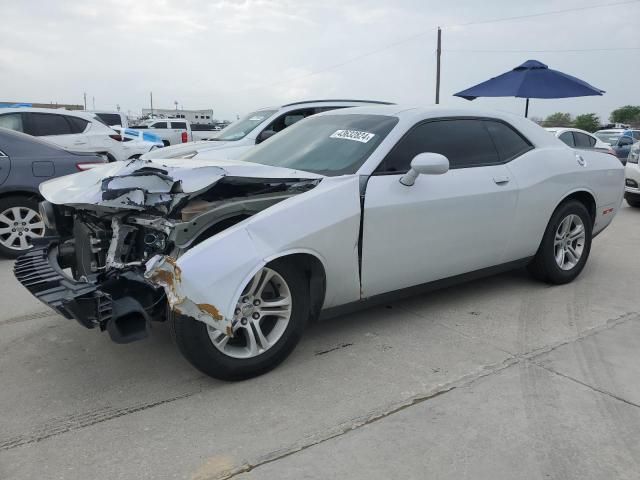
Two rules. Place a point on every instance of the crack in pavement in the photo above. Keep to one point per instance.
(29, 316)
(462, 382)
(84, 419)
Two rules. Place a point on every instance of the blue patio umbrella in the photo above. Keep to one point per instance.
(532, 79)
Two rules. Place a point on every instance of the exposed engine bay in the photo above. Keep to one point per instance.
(136, 225)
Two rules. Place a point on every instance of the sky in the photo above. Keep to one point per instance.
(235, 56)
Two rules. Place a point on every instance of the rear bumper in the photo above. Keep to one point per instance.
(122, 305)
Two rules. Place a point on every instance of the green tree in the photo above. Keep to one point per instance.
(558, 119)
(626, 114)
(588, 121)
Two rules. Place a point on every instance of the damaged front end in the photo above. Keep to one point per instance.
(112, 261)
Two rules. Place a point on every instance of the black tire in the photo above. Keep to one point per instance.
(632, 199)
(544, 266)
(192, 337)
(16, 201)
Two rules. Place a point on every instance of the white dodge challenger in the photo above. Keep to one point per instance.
(342, 210)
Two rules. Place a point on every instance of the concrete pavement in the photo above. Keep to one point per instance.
(499, 378)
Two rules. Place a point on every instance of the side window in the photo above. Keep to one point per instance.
(78, 125)
(567, 137)
(182, 125)
(509, 143)
(582, 140)
(289, 118)
(45, 124)
(465, 142)
(12, 121)
(159, 125)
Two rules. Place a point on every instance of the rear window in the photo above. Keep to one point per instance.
(111, 119)
(78, 125)
(181, 125)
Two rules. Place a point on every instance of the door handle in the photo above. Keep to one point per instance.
(501, 180)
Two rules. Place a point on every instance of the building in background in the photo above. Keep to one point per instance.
(66, 106)
(194, 116)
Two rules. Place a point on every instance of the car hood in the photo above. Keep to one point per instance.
(140, 184)
(184, 149)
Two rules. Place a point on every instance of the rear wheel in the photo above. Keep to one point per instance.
(270, 316)
(632, 199)
(20, 222)
(565, 246)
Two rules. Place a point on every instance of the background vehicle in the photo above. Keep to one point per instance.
(76, 131)
(138, 142)
(239, 137)
(25, 162)
(202, 131)
(632, 177)
(343, 209)
(172, 131)
(620, 141)
(576, 138)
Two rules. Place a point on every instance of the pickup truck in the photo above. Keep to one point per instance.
(171, 131)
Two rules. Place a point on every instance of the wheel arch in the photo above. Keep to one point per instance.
(312, 265)
(584, 196)
(21, 193)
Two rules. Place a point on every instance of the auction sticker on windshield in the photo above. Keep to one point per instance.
(356, 135)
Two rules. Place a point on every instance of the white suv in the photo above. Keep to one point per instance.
(632, 177)
(74, 131)
(240, 136)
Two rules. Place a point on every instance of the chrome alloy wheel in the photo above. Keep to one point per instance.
(261, 316)
(569, 242)
(18, 225)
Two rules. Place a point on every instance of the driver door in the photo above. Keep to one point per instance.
(443, 225)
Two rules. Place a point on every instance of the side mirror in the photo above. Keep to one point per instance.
(264, 135)
(425, 164)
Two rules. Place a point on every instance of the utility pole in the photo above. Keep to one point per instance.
(151, 97)
(94, 102)
(438, 53)
(85, 100)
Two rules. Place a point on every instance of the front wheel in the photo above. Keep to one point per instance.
(20, 222)
(565, 246)
(270, 316)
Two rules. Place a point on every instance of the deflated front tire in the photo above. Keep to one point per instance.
(269, 319)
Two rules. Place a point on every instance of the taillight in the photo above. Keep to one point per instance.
(116, 137)
(82, 166)
(185, 137)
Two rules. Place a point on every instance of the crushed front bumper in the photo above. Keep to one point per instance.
(123, 305)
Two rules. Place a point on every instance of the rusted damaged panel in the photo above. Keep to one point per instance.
(164, 272)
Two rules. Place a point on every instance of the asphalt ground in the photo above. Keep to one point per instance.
(501, 378)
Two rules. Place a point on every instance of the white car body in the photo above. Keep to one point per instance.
(173, 131)
(576, 138)
(371, 233)
(94, 137)
(249, 129)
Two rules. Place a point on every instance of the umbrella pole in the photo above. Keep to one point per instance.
(526, 109)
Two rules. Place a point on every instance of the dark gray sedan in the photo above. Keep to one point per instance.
(25, 162)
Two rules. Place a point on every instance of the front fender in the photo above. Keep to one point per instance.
(323, 222)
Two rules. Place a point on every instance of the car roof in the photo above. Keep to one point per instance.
(59, 111)
(325, 103)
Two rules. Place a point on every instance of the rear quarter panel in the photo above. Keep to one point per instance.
(546, 176)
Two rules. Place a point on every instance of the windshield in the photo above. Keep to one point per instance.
(328, 145)
(241, 128)
(608, 137)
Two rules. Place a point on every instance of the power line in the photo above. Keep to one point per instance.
(541, 14)
(455, 50)
(424, 32)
